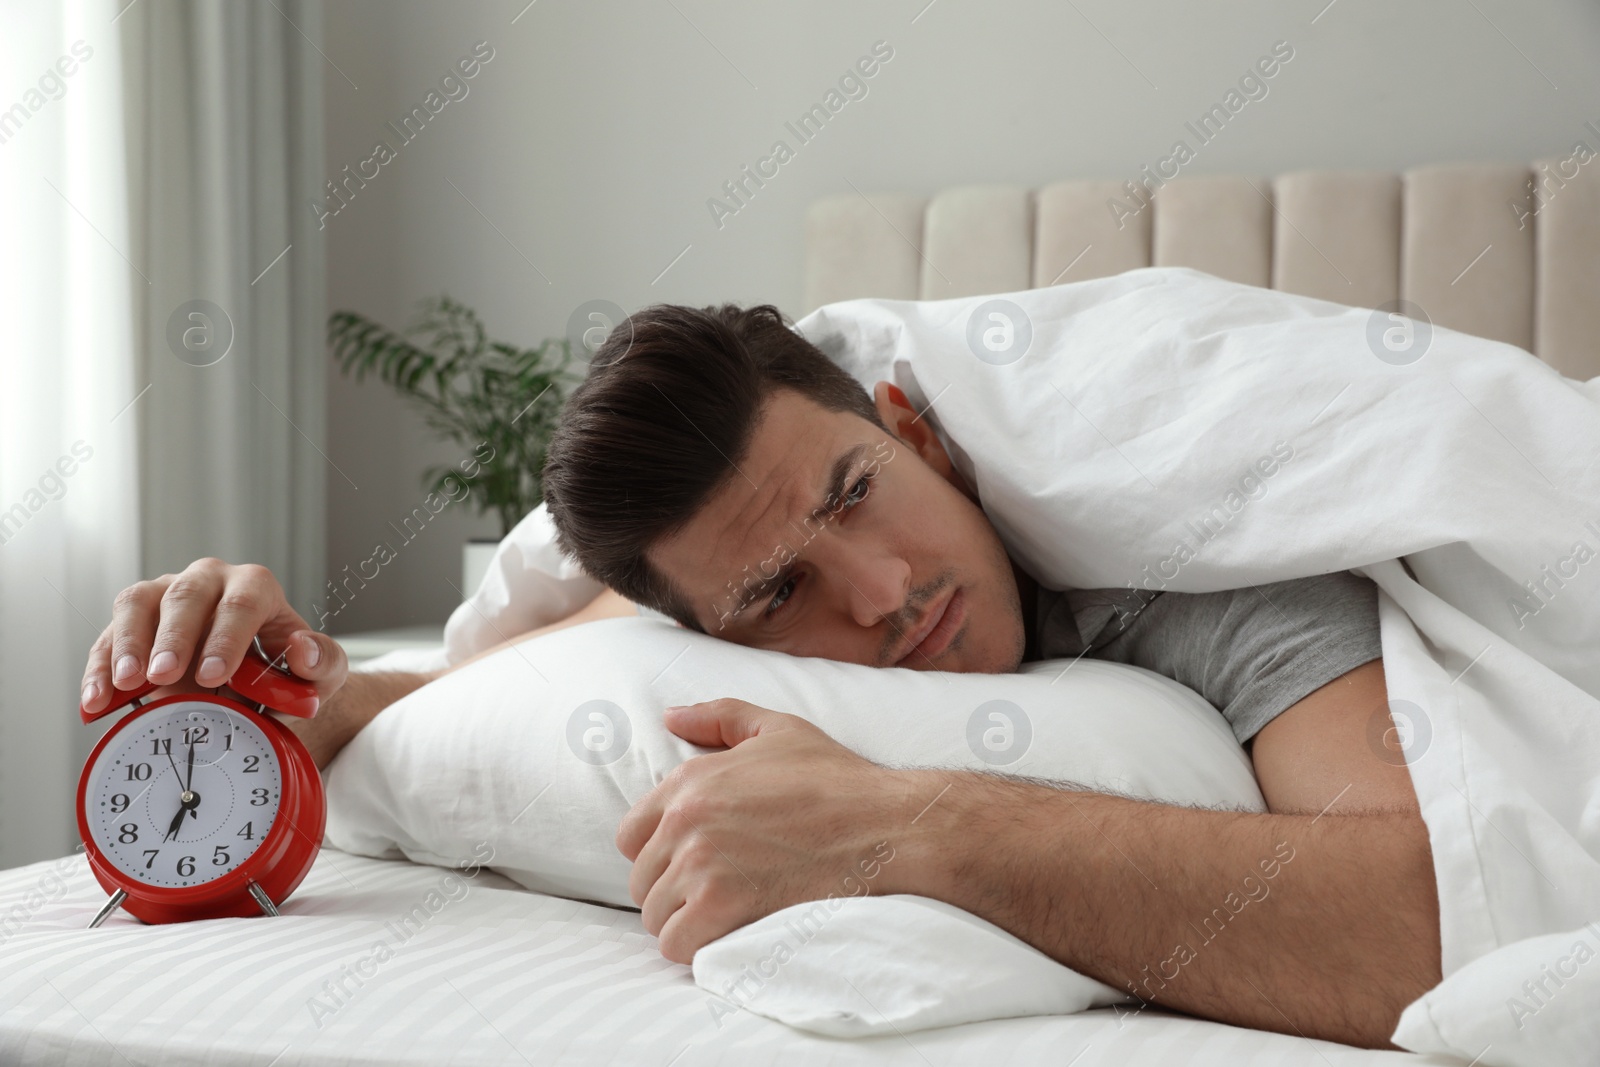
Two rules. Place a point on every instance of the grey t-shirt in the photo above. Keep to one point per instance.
(1251, 652)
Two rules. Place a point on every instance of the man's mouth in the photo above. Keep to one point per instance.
(937, 629)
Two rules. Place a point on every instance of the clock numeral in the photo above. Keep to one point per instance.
(258, 797)
(229, 746)
(129, 833)
(161, 746)
(219, 857)
(248, 833)
(196, 735)
(119, 803)
(186, 866)
(138, 772)
(150, 856)
(250, 765)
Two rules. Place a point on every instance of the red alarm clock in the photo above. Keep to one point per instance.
(198, 806)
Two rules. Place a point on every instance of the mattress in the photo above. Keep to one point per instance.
(391, 962)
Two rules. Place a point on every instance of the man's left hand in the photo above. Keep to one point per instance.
(785, 815)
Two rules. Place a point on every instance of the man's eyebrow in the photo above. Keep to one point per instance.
(837, 474)
(832, 492)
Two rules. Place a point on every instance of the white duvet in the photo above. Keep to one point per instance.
(1167, 429)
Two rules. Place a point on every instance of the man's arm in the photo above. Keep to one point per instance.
(1323, 926)
(1320, 919)
(1319, 923)
(1336, 746)
(356, 703)
(366, 693)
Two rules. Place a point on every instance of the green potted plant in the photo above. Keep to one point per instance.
(497, 401)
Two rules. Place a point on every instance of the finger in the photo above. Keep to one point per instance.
(665, 899)
(651, 864)
(691, 927)
(133, 626)
(639, 825)
(316, 657)
(97, 673)
(309, 655)
(250, 596)
(719, 723)
(186, 609)
(644, 819)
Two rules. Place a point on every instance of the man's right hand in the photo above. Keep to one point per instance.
(190, 631)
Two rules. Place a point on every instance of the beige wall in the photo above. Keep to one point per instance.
(597, 133)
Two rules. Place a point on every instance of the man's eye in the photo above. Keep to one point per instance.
(857, 492)
(779, 598)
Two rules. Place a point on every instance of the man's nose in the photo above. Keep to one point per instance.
(875, 587)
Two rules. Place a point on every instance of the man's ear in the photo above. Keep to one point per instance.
(906, 423)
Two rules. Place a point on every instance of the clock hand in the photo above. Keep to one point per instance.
(189, 802)
(177, 820)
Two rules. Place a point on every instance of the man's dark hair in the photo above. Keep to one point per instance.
(668, 410)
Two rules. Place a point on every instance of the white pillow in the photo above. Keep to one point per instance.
(539, 750)
(529, 758)
(858, 966)
(1550, 1021)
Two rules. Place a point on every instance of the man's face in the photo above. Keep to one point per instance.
(832, 538)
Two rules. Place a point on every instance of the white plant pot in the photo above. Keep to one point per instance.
(475, 557)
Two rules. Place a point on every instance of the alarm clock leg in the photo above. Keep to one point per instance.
(262, 899)
(111, 905)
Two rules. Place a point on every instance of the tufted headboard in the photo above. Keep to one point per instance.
(1510, 252)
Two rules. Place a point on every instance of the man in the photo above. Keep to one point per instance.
(718, 469)
(689, 473)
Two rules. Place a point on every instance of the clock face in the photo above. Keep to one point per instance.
(184, 794)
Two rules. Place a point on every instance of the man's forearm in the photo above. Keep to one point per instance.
(358, 702)
(1320, 925)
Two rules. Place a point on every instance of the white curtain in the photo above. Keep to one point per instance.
(67, 376)
(152, 154)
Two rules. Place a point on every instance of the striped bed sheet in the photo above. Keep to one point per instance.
(390, 962)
